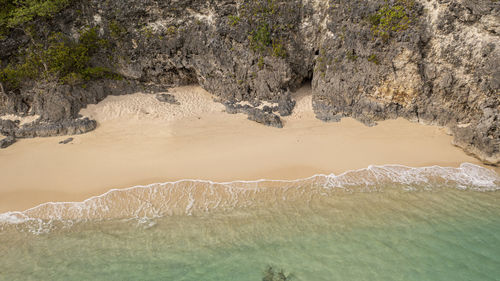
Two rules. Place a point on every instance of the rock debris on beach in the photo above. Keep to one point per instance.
(255, 114)
(168, 98)
(66, 141)
(6, 142)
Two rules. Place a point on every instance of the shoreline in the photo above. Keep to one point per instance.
(200, 195)
(141, 141)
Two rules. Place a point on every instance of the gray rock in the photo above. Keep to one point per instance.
(6, 142)
(67, 127)
(66, 141)
(255, 103)
(268, 119)
(444, 77)
(57, 103)
(231, 108)
(255, 114)
(8, 127)
(285, 105)
(442, 72)
(268, 109)
(167, 98)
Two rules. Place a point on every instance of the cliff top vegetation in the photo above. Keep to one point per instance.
(15, 13)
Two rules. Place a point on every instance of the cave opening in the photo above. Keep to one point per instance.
(179, 77)
(307, 81)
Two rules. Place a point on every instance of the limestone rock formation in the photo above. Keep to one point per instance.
(430, 61)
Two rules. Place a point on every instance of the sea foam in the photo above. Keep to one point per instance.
(192, 197)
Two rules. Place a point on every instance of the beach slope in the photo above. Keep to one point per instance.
(140, 140)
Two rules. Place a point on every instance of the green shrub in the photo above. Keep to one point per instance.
(351, 55)
(278, 49)
(14, 13)
(147, 31)
(266, 32)
(392, 18)
(374, 59)
(260, 63)
(233, 20)
(260, 38)
(117, 31)
(90, 73)
(9, 77)
(65, 57)
(321, 65)
(61, 59)
(171, 30)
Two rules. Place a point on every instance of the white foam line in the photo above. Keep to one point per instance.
(8, 215)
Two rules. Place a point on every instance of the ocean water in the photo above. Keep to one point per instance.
(380, 223)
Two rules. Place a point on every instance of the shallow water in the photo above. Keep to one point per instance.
(381, 223)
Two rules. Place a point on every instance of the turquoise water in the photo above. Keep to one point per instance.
(429, 227)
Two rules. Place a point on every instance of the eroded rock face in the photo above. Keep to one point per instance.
(443, 70)
(439, 65)
(45, 129)
(8, 127)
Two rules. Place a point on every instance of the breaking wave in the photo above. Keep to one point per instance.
(191, 197)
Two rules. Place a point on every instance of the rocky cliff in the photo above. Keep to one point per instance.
(430, 61)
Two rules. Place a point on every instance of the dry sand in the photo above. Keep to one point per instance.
(140, 141)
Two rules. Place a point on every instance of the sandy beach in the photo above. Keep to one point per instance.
(140, 140)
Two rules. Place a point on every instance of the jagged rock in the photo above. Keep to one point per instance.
(231, 108)
(255, 103)
(268, 109)
(67, 127)
(268, 119)
(167, 98)
(8, 127)
(480, 137)
(66, 141)
(6, 142)
(255, 114)
(441, 68)
(285, 105)
(58, 103)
